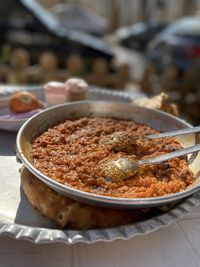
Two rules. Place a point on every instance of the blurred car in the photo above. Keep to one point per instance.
(139, 34)
(28, 24)
(178, 45)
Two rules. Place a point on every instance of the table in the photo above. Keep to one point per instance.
(176, 245)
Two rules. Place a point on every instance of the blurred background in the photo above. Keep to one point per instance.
(148, 46)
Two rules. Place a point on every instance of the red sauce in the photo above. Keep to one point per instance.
(70, 152)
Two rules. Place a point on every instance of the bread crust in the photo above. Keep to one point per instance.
(160, 102)
(23, 102)
(70, 214)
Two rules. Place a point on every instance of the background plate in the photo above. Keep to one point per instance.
(93, 94)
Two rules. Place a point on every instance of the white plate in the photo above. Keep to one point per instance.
(13, 124)
(93, 93)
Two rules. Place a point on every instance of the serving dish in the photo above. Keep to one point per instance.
(19, 220)
(153, 118)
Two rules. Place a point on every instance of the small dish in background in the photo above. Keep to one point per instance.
(12, 121)
(17, 109)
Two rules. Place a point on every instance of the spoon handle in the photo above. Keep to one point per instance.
(174, 154)
(174, 133)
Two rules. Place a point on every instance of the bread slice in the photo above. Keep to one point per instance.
(68, 213)
(160, 102)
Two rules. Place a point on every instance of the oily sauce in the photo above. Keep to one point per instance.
(70, 152)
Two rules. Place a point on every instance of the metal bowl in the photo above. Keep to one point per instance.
(153, 118)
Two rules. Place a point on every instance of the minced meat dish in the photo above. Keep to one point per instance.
(70, 153)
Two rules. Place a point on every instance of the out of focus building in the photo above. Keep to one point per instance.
(126, 12)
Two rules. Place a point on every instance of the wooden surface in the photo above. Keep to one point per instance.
(176, 245)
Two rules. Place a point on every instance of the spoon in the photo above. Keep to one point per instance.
(122, 140)
(117, 169)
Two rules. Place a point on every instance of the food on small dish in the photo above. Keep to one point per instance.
(76, 89)
(54, 93)
(18, 109)
(21, 102)
(73, 89)
(70, 153)
(160, 102)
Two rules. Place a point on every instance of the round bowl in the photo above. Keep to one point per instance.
(156, 119)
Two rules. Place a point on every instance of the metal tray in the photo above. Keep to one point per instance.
(19, 220)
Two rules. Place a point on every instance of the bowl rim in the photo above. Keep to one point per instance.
(73, 192)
